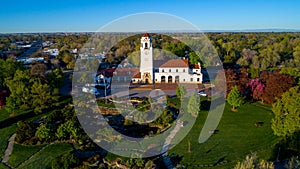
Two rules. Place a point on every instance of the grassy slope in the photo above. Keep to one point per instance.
(44, 158)
(21, 153)
(237, 137)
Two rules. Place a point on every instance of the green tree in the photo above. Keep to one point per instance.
(234, 98)
(181, 92)
(194, 105)
(287, 114)
(19, 87)
(41, 96)
(55, 79)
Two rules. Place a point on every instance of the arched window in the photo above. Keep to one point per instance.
(169, 70)
(163, 79)
(170, 79)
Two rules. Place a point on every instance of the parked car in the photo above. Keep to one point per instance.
(202, 93)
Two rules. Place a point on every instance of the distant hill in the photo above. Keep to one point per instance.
(255, 30)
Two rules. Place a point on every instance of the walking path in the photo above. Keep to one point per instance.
(9, 150)
(170, 137)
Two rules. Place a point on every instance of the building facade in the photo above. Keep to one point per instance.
(164, 71)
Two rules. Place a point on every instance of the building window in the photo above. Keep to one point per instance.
(191, 79)
(198, 79)
(169, 70)
(156, 80)
(176, 79)
(146, 45)
(183, 70)
(162, 70)
(184, 80)
(176, 70)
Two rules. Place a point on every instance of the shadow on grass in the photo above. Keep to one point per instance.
(287, 147)
(15, 119)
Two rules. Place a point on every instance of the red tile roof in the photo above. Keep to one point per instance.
(175, 63)
(137, 75)
(146, 35)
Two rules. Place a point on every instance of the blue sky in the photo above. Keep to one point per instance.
(90, 15)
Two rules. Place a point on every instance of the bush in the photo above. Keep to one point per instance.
(25, 131)
(66, 161)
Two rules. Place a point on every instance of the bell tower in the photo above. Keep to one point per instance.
(146, 65)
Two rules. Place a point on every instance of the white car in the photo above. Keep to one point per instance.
(202, 93)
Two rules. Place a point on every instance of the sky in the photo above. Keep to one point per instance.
(90, 15)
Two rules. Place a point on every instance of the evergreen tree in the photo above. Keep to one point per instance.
(234, 98)
(193, 105)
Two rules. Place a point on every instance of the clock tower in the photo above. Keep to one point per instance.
(146, 65)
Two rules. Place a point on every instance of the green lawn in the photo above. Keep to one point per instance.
(237, 137)
(2, 166)
(21, 153)
(43, 159)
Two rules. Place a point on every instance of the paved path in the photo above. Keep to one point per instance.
(170, 137)
(9, 150)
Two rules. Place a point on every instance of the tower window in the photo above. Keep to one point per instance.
(169, 70)
(163, 70)
(191, 79)
(176, 70)
(146, 45)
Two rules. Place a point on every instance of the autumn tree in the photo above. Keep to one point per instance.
(256, 88)
(275, 85)
(234, 98)
(287, 114)
(38, 69)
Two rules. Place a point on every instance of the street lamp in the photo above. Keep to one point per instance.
(103, 77)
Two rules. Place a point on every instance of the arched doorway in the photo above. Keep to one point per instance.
(163, 79)
(170, 79)
(176, 79)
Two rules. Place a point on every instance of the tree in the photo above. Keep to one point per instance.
(287, 114)
(24, 132)
(180, 92)
(41, 96)
(38, 69)
(55, 79)
(274, 89)
(247, 55)
(3, 95)
(257, 88)
(194, 105)
(234, 98)
(19, 87)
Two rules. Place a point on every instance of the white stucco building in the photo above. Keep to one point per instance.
(164, 71)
